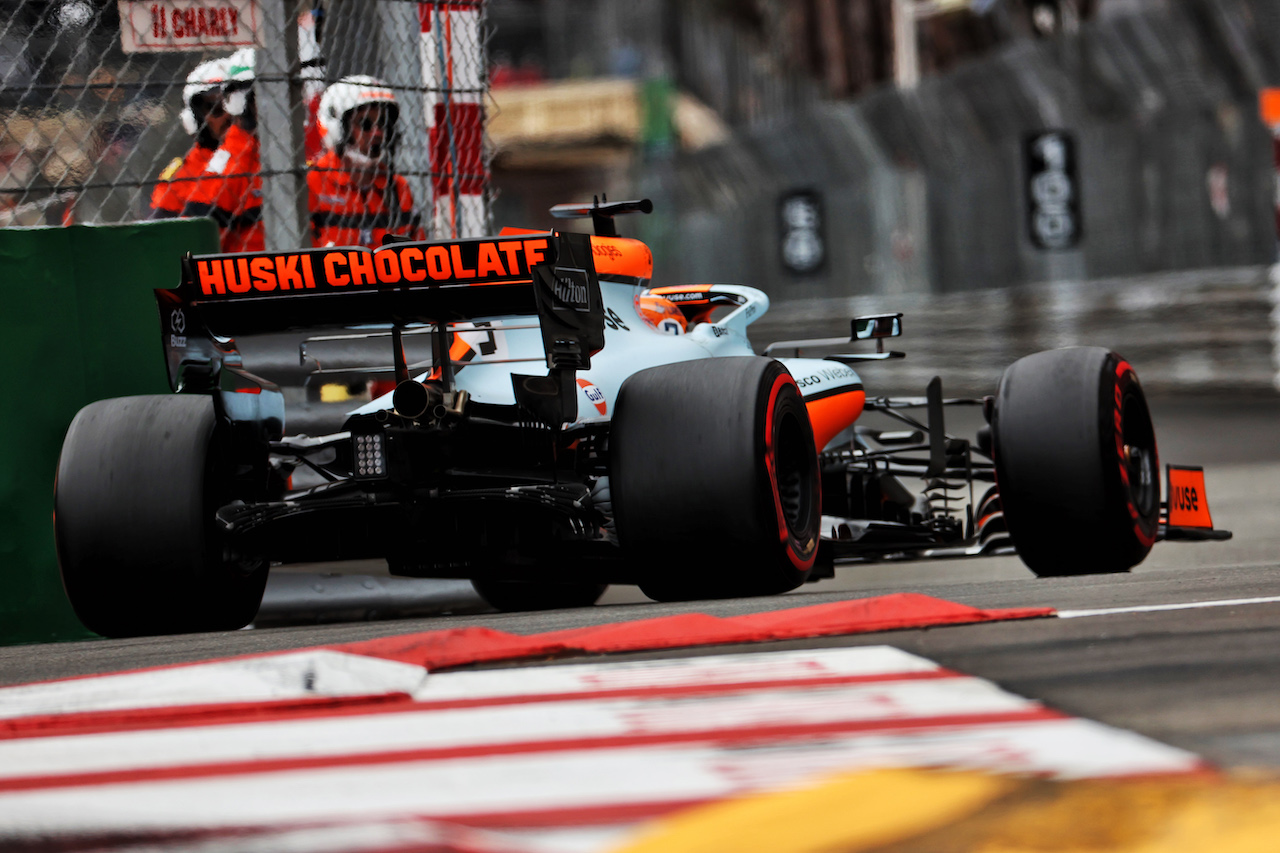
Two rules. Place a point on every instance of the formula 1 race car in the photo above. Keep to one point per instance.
(561, 438)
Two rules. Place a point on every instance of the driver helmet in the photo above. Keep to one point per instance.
(346, 95)
(209, 76)
(661, 313)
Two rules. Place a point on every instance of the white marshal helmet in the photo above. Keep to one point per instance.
(209, 76)
(239, 76)
(344, 96)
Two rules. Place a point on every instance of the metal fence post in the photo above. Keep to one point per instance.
(906, 61)
(280, 117)
(399, 26)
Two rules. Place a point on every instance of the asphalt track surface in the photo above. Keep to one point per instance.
(1204, 677)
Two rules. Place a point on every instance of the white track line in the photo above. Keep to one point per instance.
(1153, 608)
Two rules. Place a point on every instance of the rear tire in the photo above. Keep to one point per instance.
(515, 596)
(715, 480)
(1076, 462)
(138, 483)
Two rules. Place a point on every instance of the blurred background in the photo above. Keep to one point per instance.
(1013, 174)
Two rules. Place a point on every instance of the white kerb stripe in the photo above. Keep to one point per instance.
(308, 674)
(573, 780)
(504, 726)
(587, 678)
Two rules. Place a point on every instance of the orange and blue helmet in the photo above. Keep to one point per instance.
(661, 313)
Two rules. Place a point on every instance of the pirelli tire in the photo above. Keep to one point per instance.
(139, 481)
(714, 479)
(1076, 462)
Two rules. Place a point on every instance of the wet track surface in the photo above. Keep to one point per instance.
(1204, 678)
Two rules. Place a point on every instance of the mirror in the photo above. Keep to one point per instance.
(877, 326)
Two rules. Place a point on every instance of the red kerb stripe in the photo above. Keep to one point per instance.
(721, 737)
(426, 10)
(98, 722)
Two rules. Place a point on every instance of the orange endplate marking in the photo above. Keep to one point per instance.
(832, 414)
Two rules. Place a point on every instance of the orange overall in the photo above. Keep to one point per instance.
(344, 214)
(232, 193)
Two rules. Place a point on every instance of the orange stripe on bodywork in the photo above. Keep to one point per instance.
(458, 351)
(680, 288)
(622, 256)
(613, 255)
(832, 414)
(695, 310)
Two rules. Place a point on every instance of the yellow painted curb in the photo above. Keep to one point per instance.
(853, 812)
(940, 811)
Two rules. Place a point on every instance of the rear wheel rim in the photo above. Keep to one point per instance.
(1140, 460)
(792, 471)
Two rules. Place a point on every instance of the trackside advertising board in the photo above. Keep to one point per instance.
(400, 283)
(147, 26)
(466, 263)
(73, 330)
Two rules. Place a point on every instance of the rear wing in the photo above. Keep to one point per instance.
(551, 275)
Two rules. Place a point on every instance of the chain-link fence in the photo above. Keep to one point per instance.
(92, 97)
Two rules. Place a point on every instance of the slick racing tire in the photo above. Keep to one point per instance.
(714, 479)
(138, 483)
(1076, 462)
(513, 596)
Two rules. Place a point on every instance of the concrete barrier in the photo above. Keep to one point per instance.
(78, 324)
(1194, 332)
(927, 190)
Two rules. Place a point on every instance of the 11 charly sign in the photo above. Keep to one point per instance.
(178, 25)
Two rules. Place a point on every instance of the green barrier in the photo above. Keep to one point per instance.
(78, 323)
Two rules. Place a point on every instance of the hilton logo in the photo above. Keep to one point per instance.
(570, 292)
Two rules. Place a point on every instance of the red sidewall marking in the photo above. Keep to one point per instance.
(802, 562)
(1125, 376)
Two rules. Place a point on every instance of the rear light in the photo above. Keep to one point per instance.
(369, 452)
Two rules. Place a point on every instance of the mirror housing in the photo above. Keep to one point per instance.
(876, 326)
